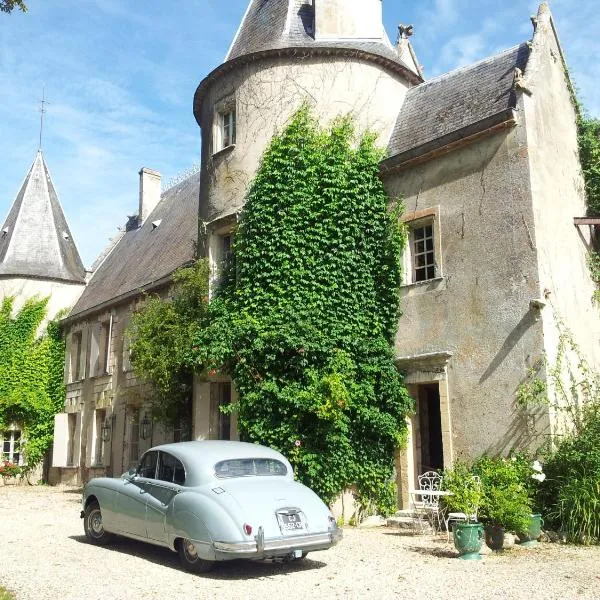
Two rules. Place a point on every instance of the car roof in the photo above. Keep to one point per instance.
(200, 457)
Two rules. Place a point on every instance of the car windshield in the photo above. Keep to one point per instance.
(249, 467)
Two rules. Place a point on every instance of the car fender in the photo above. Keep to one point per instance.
(104, 491)
(202, 519)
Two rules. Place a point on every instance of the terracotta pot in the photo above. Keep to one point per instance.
(494, 537)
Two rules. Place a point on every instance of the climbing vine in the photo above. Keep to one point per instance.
(588, 135)
(306, 319)
(31, 375)
(160, 335)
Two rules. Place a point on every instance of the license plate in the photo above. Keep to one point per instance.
(290, 522)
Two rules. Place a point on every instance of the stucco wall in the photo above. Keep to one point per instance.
(479, 309)
(266, 93)
(62, 295)
(558, 196)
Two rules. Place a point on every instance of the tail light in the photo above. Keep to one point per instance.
(247, 529)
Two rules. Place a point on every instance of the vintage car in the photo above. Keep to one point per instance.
(211, 501)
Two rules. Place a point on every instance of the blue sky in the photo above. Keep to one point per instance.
(120, 76)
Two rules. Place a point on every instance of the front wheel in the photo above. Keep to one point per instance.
(93, 527)
(188, 556)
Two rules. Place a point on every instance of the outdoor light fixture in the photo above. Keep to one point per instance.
(106, 430)
(145, 427)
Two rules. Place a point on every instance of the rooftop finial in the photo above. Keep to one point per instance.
(405, 31)
(43, 102)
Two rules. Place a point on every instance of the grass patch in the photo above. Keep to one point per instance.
(6, 594)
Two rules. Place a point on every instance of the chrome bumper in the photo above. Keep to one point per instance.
(280, 546)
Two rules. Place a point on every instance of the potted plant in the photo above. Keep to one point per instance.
(8, 470)
(531, 474)
(463, 499)
(505, 504)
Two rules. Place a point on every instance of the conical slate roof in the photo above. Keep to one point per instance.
(35, 240)
(277, 24)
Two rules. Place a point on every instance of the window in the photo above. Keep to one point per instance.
(99, 447)
(134, 438)
(75, 356)
(170, 469)
(423, 259)
(226, 129)
(250, 467)
(104, 352)
(72, 426)
(11, 446)
(423, 253)
(221, 397)
(148, 465)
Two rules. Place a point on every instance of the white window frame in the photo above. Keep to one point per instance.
(8, 437)
(75, 353)
(225, 132)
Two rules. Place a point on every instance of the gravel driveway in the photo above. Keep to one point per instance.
(44, 555)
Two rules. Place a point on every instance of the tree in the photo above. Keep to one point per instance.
(306, 319)
(8, 6)
(160, 335)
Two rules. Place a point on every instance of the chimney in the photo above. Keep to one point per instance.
(149, 193)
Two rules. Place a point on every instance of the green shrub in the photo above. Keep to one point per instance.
(505, 501)
(571, 492)
(466, 491)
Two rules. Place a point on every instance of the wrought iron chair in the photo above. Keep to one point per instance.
(428, 507)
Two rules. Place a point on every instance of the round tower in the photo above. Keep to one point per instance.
(333, 54)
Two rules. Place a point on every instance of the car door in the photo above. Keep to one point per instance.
(160, 494)
(131, 502)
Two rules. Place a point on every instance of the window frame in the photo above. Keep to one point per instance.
(225, 125)
(8, 436)
(415, 221)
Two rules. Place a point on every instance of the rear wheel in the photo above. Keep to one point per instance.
(188, 556)
(93, 527)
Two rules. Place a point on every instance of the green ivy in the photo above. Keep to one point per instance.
(31, 375)
(306, 319)
(160, 335)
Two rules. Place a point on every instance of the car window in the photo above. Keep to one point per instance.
(148, 465)
(249, 467)
(170, 469)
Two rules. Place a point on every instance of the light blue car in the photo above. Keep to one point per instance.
(211, 501)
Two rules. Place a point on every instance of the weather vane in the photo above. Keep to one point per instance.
(42, 111)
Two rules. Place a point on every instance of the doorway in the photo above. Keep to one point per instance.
(427, 429)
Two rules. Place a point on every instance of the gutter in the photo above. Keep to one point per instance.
(450, 142)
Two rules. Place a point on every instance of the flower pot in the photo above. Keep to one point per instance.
(494, 537)
(531, 536)
(468, 538)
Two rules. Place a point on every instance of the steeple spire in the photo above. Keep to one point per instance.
(35, 240)
(42, 111)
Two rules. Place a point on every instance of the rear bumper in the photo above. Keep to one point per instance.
(277, 547)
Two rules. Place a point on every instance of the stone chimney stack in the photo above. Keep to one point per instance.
(149, 193)
(348, 19)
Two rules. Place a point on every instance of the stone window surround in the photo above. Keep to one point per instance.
(216, 233)
(416, 219)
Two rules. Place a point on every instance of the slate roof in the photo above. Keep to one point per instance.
(437, 111)
(149, 254)
(265, 27)
(35, 240)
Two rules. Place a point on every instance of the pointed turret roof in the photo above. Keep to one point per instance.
(35, 240)
(277, 24)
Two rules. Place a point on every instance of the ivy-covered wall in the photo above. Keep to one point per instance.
(306, 320)
(31, 375)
